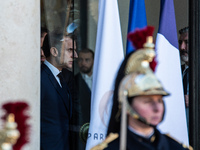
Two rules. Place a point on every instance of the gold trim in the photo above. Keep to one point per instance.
(111, 137)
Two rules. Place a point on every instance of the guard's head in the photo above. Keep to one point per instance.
(142, 90)
(136, 85)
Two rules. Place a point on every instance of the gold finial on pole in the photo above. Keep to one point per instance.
(11, 118)
(9, 134)
(149, 43)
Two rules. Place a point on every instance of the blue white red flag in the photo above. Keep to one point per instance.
(169, 72)
(108, 57)
(137, 19)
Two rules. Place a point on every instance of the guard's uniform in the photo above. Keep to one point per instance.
(157, 141)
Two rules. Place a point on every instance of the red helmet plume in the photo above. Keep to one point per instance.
(138, 38)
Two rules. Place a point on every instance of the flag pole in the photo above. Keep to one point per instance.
(123, 128)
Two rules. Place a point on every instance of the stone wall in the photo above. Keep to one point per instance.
(20, 59)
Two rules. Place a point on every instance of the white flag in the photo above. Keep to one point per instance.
(108, 57)
(169, 73)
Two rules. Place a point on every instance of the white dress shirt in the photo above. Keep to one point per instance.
(54, 70)
(88, 80)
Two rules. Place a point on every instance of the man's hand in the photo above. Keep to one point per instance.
(186, 101)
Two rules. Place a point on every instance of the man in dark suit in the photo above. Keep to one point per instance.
(184, 51)
(84, 82)
(56, 101)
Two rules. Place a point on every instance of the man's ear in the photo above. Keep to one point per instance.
(54, 51)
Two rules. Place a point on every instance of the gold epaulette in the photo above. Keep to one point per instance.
(111, 137)
(185, 146)
(188, 147)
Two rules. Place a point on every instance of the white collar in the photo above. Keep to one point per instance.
(140, 134)
(85, 76)
(53, 69)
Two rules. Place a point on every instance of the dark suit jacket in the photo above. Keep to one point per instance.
(84, 96)
(69, 79)
(75, 122)
(182, 68)
(157, 142)
(56, 111)
(185, 74)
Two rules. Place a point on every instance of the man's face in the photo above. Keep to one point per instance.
(184, 47)
(151, 108)
(85, 62)
(68, 53)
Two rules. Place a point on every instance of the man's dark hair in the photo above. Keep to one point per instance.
(87, 50)
(44, 30)
(183, 30)
(54, 39)
(114, 123)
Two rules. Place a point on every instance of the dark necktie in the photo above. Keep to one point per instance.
(60, 76)
(63, 83)
(186, 80)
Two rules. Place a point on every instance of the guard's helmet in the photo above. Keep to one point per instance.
(139, 78)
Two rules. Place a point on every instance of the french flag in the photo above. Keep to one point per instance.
(137, 19)
(169, 72)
